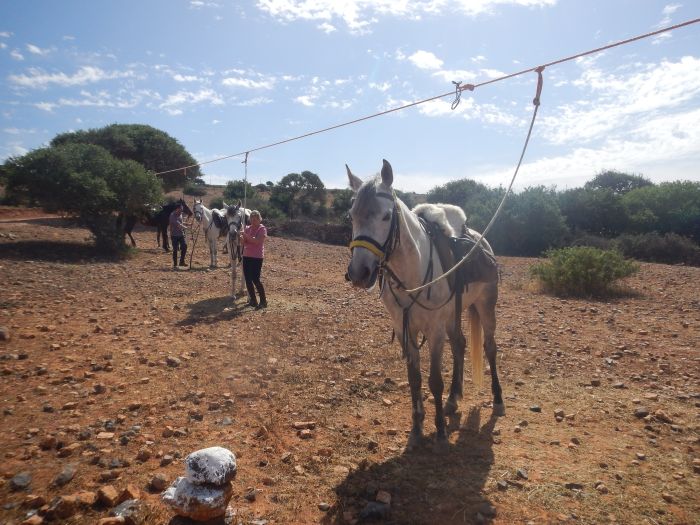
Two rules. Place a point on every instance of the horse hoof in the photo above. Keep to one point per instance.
(441, 445)
(499, 409)
(415, 440)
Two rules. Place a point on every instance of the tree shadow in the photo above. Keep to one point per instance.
(426, 487)
(51, 222)
(213, 310)
(54, 251)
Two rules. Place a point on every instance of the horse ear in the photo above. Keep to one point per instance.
(355, 182)
(387, 173)
(239, 203)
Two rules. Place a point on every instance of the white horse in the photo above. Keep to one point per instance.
(213, 224)
(237, 218)
(391, 239)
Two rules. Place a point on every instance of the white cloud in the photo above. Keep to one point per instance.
(326, 28)
(173, 102)
(257, 101)
(68, 37)
(613, 101)
(18, 131)
(45, 106)
(5, 34)
(198, 4)
(360, 15)
(380, 87)
(248, 83)
(36, 50)
(39, 79)
(186, 78)
(305, 100)
(425, 60)
(16, 54)
(3, 45)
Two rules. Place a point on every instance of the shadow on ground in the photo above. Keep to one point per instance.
(450, 485)
(51, 251)
(213, 310)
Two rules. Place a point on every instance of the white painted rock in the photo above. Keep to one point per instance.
(215, 465)
(199, 502)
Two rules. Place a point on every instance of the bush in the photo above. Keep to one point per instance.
(669, 248)
(195, 190)
(217, 203)
(582, 271)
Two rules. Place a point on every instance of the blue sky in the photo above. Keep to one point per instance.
(228, 76)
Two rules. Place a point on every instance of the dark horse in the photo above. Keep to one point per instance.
(156, 218)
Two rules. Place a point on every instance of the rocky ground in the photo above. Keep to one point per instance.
(111, 373)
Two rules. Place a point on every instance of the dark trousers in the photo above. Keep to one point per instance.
(251, 269)
(179, 244)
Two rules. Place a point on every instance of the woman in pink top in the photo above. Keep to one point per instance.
(253, 238)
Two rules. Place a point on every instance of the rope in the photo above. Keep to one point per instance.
(459, 88)
(245, 180)
(536, 103)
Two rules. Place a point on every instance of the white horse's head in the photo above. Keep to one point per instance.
(198, 209)
(236, 218)
(374, 217)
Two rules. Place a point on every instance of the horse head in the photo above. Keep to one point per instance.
(374, 215)
(185, 208)
(198, 210)
(235, 218)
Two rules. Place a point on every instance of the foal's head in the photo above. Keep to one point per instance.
(373, 225)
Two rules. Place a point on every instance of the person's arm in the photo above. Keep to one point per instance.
(252, 240)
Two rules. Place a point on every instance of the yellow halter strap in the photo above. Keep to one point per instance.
(362, 243)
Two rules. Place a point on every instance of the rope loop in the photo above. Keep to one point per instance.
(540, 81)
(458, 94)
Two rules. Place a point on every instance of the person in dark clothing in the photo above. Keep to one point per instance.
(253, 238)
(177, 235)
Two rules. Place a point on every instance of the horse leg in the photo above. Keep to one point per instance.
(414, 380)
(458, 343)
(437, 387)
(487, 313)
(133, 242)
(164, 235)
(212, 253)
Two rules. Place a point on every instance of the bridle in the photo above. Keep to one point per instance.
(382, 251)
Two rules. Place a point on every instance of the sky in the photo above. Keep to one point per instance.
(224, 77)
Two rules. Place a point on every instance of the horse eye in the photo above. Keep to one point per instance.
(387, 216)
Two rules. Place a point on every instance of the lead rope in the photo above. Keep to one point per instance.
(536, 103)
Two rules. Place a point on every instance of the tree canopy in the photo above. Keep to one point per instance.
(154, 149)
(298, 192)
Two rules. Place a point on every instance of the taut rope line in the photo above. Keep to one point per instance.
(459, 89)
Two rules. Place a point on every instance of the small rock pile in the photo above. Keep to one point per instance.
(205, 490)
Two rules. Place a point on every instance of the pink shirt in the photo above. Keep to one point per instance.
(255, 250)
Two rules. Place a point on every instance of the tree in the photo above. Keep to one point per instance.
(617, 182)
(84, 180)
(154, 149)
(298, 192)
(595, 211)
(235, 190)
(667, 207)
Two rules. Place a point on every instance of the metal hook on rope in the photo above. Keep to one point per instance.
(458, 92)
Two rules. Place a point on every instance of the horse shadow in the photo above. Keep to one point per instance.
(426, 487)
(54, 251)
(213, 310)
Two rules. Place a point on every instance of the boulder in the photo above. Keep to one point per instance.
(199, 502)
(215, 465)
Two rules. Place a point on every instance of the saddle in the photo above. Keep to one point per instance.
(481, 266)
(219, 221)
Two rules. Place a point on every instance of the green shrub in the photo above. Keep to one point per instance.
(669, 248)
(217, 202)
(194, 190)
(582, 271)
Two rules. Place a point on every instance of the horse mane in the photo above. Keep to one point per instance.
(449, 218)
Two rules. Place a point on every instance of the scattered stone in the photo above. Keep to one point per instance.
(324, 507)
(4, 333)
(375, 511)
(641, 412)
(199, 502)
(105, 435)
(66, 475)
(130, 492)
(535, 408)
(602, 488)
(62, 507)
(112, 520)
(559, 413)
(301, 425)
(595, 382)
(667, 497)
(86, 498)
(173, 362)
(521, 473)
(662, 416)
(215, 465)
(574, 486)
(107, 496)
(501, 485)
(159, 482)
(166, 460)
(33, 520)
(132, 511)
(21, 481)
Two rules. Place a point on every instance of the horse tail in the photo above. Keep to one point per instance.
(476, 344)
